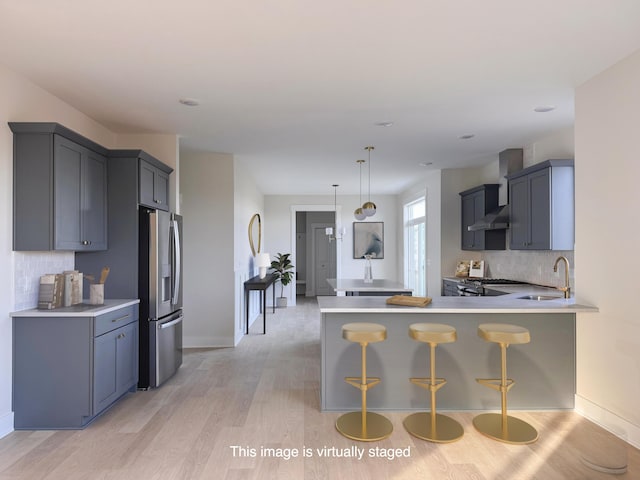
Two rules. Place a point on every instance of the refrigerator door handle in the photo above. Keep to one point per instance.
(177, 253)
(162, 326)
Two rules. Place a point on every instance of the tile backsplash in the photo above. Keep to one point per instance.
(529, 266)
(29, 266)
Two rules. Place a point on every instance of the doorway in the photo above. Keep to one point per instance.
(304, 245)
(323, 260)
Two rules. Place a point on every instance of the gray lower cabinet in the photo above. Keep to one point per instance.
(450, 288)
(60, 189)
(541, 200)
(69, 369)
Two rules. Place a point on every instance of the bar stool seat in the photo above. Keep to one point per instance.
(500, 426)
(363, 425)
(432, 426)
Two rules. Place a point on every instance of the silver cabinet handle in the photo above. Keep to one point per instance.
(122, 335)
(120, 318)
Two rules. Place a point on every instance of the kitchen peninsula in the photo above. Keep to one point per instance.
(544, 369)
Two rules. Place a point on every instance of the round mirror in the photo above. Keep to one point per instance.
(255, 233)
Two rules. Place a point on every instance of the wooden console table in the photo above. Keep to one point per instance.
(260, 284)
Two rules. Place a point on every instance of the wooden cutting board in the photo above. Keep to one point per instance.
(409, 301)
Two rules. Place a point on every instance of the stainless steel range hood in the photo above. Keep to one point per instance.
(494, 220)
(509, 161)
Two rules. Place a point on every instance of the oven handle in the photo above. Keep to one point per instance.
(162, 326)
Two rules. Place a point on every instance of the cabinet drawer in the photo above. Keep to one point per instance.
(115, 319)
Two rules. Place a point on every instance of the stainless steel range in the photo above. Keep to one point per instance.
(477, 287)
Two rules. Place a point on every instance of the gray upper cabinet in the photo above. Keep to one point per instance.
(476, 203)
(541, 199)
(60, 189)
(154, 185)
(128, 176)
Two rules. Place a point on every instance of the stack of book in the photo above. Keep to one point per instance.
(60, 290)
(51, 292)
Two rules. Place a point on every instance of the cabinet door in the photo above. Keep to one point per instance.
(161, 190)
(154, 187)
(147, 180)
(468, 218)
(540, 210)
(94, 202)
(519, 213)
(80, 203)
(105, 384)
(127, 358)
(473, 209)
(115, 365)
(478, 213)
(67, 194)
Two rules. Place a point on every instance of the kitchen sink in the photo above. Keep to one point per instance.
(539, 297)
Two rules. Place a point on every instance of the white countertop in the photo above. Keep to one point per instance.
(359, 285)
(509, 303)
(79, 310)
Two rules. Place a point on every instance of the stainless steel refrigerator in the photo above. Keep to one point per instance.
(160, 292)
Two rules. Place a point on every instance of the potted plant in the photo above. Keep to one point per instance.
(282, 269)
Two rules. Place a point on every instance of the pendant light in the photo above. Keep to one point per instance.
(329, 231)
(369, 208)
(359, 213)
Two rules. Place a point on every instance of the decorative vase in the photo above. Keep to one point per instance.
(368, 273)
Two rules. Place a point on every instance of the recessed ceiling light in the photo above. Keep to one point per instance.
(544, 108)
(383, 124)
(189, 102)
(425, 164)
(467, 136)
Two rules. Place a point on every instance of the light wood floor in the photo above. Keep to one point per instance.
(265, 394)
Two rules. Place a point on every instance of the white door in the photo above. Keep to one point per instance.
(324, 261)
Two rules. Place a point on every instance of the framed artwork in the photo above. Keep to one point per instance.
(368, 239)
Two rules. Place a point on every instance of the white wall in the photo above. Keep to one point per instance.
(248, 200)
(207, 210)
(607, 232)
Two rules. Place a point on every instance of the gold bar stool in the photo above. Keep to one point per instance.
(432, 426)
(364, 426)
(500, 426)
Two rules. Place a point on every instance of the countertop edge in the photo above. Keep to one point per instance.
(460, 305)
(89, 310)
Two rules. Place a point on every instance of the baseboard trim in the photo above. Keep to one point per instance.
(608, 420)
(6, 424)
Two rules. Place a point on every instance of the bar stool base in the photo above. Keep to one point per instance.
(350, 425)
(515, 432)
(444, 430)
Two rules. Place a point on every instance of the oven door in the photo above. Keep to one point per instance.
(467, 291)
(166, 348)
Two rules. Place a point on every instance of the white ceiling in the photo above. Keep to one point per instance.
(297, 86)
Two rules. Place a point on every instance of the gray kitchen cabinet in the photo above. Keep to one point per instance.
(450, 288)
(541, 200)
(154, 185)
(60, 189)
(476, 203)
(125, 192)
(68, 369)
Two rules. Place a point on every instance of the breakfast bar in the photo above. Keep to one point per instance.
(544, 369)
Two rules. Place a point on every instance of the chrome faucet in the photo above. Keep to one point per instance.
(565, 289)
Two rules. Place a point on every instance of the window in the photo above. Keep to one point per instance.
(415, 222)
